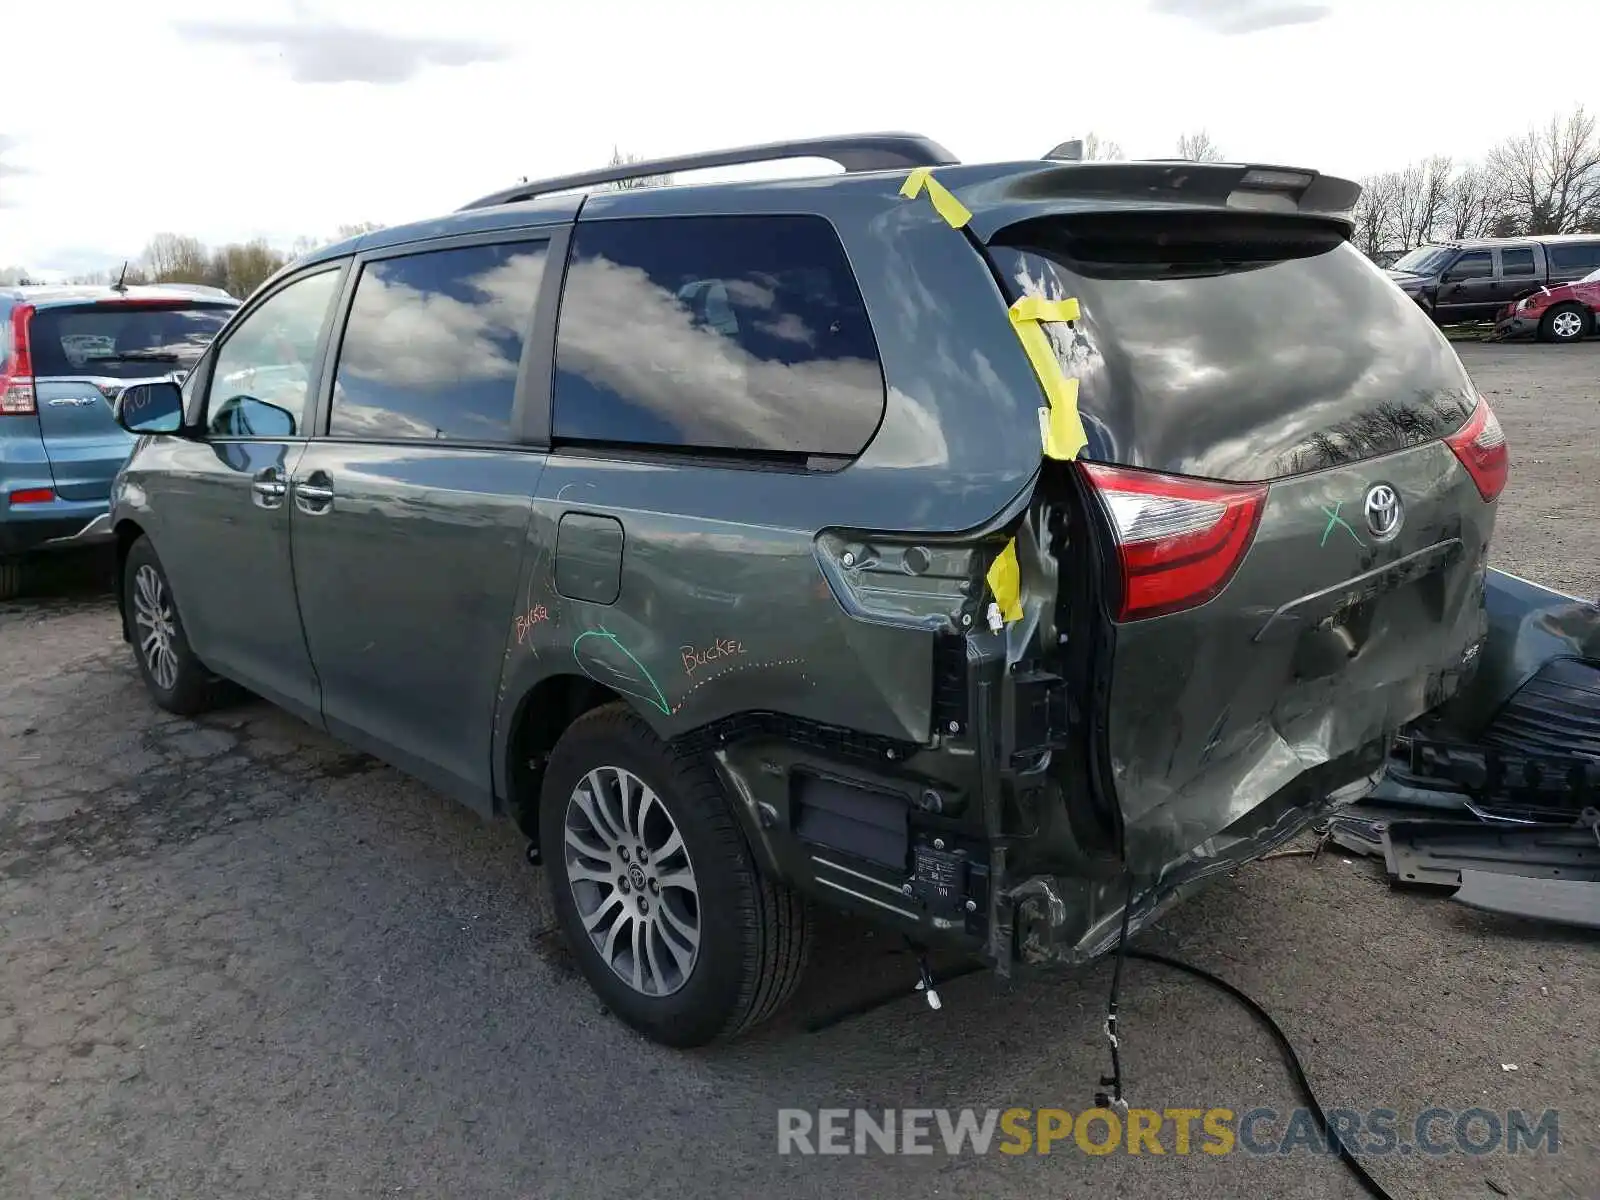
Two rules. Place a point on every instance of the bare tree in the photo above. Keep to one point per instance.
(619, 159)
(1099, 149)
(1473, 203)
(1198, 147)
(1420, 200)
(177, 258)
(1551, 176)
(1375, 214)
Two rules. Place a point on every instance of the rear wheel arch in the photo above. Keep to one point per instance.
(545, 712)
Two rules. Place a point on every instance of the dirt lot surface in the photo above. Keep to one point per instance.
(237, 959)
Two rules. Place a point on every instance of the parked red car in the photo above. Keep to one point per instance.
(1564, 313)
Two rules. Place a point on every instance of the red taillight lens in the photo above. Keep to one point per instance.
(1179, 540)
(33, 496)
(16, 374)
(1480, 444)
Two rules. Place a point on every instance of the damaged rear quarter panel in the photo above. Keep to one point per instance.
(1215, 710)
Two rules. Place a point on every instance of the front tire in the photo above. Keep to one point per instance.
(654, 886)
(176, 679)
(1564, 323)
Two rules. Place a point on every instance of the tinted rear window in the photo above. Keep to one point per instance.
(743, 334)
(1573, 256)
(122, 342)
(1237, 349)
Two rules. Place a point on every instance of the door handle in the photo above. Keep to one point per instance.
(269, 488)
(314, 495)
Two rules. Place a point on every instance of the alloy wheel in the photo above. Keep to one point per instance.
(1566, 325)
(632, 881)
(156, 621)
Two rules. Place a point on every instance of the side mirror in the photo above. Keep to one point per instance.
(151, 407)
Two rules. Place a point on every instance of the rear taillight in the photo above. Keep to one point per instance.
(1179, 540)
(1480, 444)
(16, 374)
(32, 496)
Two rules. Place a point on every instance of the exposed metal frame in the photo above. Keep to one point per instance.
(853, 152)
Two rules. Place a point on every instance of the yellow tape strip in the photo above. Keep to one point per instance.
(1005, 581)
(1061, 429)
(944, 202)
(1037, 308)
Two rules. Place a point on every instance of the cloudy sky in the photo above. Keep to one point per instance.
(280, 118)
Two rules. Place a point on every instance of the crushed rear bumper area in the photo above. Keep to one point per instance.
(893, 834)
(1048, 919)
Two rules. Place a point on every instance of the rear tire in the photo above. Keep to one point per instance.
(176, 679)
(722, 946)
(1564, 323)
(10, 579)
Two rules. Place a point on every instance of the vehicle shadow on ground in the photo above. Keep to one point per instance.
(51, 581)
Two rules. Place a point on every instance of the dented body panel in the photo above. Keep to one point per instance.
(1317, 650)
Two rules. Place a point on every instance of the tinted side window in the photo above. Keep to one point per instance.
(263, 370)
(1575, 257)
(433, 343)
(716, 333)
(1517, 261)
(1476, 265)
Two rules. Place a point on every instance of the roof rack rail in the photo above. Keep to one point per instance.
(853, 152)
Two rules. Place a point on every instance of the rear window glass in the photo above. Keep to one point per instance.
(1573, 256)
(117, 342)
(716, 333)
(1237, 352)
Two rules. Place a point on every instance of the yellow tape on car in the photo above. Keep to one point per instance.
(1005, 582)
(1060, 427)
(944, 202)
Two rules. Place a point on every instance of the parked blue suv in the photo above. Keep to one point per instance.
(65, 355)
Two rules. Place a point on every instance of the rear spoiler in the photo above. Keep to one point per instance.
(1053, 189)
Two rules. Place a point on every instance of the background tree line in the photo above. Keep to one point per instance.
(237, 267)
(1544, 181)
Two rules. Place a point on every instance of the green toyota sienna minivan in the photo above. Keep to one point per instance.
(980, 549)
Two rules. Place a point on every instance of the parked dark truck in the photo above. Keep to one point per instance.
(707, 531)
(1474, 280)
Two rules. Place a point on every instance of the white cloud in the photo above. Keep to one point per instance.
(330, 52)
(1243, 16)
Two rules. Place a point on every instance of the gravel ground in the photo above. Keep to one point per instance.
(1548, 400)
(237, 959)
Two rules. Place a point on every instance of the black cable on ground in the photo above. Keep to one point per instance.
(1263, 1017)
(1114, 1080)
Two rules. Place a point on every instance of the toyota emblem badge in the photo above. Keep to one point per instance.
(1383, 511)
